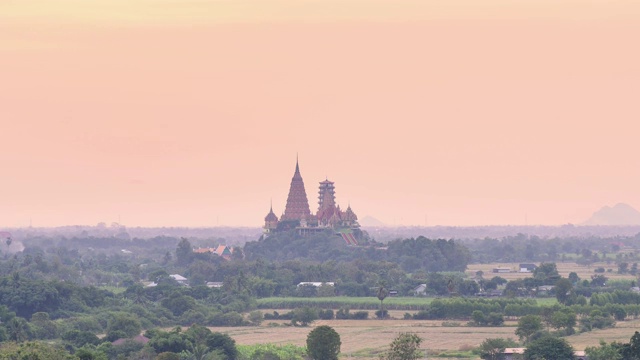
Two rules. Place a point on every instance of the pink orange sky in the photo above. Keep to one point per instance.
(190, 113)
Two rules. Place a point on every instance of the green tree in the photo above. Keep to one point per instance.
(123, 325)
(406, 346)
(547, 273)
(603, 352)
(304, 316)
(137, 294)
(184, 252)
(564, 291)
(599, 280)
(256, 317)
(200, 352)
(168, 356)
(492, 349)
(527, 326)
(178, 303)
(574, 278)
(174, 341)
(198, 333)
(224, 343)
(80, 338)
(549, 348)
(42, 327)
(32, 351)
(564, 319)
(18, 329)
(323, 343)
(631, 350)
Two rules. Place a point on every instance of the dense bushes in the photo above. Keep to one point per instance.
(345, 314)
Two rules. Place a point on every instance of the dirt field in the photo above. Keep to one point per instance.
(621, 333)
(584, 272)
(363, 339)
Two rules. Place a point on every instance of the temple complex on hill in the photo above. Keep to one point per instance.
(297, 214)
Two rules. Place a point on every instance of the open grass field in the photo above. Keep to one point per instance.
(364, 339)
(564, 268)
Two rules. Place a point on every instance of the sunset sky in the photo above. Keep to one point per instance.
(191, 112)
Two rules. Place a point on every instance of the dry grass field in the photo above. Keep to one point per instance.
(564, 268)
(364, 339)
(621, 333)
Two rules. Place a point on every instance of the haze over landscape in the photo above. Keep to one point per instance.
(172, 113)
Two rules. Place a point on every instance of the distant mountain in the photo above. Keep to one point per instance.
(621, 214)
(370, 221)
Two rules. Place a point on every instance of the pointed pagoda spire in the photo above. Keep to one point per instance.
(297, 204)
(271, 217)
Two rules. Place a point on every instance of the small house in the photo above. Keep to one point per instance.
(518, 354)
(420, 290)
(206, 250)
(224, 251)
(215, 284)
(500, 270)
(513, 353)
(545, 290)
(315, 283)
(180, 279)
(527, 268)
(580, 355)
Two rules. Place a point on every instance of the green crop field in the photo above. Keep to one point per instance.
(363, 303)
(336, 302)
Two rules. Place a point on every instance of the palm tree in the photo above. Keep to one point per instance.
(137, 295)
(18, 329)
(200, 352)
(382, 294)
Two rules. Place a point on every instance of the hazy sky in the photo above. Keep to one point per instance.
(451, 112)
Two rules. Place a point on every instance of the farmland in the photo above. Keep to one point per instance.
(364, 339)
(564, 269)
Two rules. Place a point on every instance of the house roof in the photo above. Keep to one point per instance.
(316, 283)
(139, 339)
(177, 277)
(514, 350)
(223, 250)
(509, 351)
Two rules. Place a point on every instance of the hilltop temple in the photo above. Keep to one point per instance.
(298, 215)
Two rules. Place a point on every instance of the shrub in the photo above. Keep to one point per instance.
(323, 343)
(229, 319)
(325, 314)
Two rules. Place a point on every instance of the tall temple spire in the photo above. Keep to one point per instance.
(297, 204)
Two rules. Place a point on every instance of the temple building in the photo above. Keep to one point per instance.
(298, 215)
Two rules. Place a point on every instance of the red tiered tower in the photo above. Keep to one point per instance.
(297, 204)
